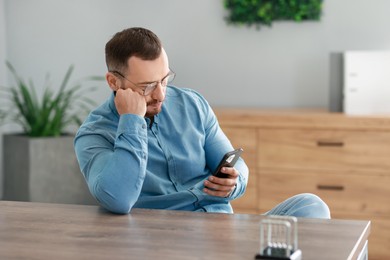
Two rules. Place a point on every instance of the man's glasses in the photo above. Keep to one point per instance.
(150, 87)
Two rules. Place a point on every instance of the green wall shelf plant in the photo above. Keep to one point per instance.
(264, 12)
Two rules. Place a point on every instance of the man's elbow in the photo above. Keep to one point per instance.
(119, 209)
(114, 203)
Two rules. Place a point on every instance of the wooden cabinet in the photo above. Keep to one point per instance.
(343, 159)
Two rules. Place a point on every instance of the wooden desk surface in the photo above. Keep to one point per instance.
(53, 231)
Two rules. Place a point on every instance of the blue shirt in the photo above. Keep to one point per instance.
(127, 161)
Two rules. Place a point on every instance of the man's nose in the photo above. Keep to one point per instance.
(159, 92)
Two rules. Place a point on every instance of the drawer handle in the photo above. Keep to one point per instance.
(330, 143)
(330, 187)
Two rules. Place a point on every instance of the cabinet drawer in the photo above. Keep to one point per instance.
(354, 194)
(347, 151)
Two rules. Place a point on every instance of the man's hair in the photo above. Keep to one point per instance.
(137, 41)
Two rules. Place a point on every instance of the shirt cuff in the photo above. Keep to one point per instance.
(131, 124)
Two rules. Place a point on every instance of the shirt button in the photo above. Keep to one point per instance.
(144, 126)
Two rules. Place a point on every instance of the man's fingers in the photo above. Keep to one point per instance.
(222, 187)
(223, 181)
(218, 187)
(231, 171)
(217, 192)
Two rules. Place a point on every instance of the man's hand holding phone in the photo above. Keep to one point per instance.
(224, 179)
(222, 187)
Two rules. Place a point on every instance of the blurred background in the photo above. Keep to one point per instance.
(283, 66)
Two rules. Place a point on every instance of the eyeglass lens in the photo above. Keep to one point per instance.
(164, 82)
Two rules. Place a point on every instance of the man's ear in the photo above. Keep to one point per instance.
(112, 81)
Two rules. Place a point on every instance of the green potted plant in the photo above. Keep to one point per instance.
(39, 162)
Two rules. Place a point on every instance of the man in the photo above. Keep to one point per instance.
(151, 145)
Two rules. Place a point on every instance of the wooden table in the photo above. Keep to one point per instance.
(53, 231)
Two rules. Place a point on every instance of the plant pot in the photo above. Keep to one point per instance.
(43, 169)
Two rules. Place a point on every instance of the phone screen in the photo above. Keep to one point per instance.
(228, 160)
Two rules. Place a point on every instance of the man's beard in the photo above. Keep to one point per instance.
(154, 110)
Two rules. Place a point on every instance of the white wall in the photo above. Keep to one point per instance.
(285, 66)
(2, 44)
(3, 56)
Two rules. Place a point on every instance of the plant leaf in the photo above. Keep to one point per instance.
(52, 113)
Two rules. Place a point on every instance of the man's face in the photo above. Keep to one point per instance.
(144, 72)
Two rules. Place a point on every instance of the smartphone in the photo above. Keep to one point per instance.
(228, 160)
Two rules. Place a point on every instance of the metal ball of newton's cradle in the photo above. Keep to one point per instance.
(279, 238)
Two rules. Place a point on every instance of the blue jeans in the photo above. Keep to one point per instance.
(303, 205)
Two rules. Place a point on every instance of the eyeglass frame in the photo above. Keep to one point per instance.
(152, 86)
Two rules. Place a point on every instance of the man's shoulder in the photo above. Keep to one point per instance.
(186, 101)
(174, 90)
(102, 117)
(186, 93)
